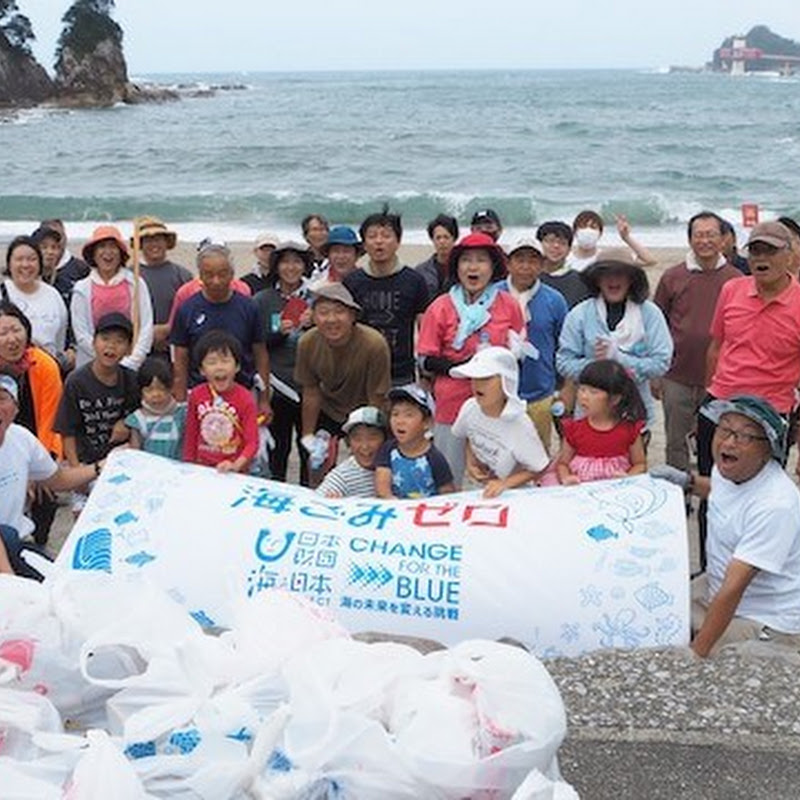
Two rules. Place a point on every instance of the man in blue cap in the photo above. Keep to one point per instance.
(751, 588)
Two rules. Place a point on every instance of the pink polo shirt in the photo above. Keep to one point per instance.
(759, 343)
(436, 334)
(193, 287)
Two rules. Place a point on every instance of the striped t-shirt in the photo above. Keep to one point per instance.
(349, 479)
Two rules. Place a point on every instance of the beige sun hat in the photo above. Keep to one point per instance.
(153, 226)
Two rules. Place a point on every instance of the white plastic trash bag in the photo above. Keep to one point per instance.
(274, 626)
(180, 666)
(16, 783)
(354, 676)
(537, 787)
(22, 715)
(103, 772)
(515, 698)
(39, 653)
(490, 716)
(347, 756)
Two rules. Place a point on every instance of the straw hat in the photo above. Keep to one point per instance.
(153, 226)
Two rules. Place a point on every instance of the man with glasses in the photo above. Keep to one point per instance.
(751, 589)
(687, 294)
(755, 339)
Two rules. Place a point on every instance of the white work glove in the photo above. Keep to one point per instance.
(317, 446)
(672, 474)
(519, 345)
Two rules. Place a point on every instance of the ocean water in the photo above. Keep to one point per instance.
(534, 145)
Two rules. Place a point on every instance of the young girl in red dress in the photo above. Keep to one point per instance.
(606, 441)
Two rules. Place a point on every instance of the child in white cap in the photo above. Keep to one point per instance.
(503, 450)
(365, 431)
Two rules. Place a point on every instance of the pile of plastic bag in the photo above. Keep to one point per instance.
(109, 689)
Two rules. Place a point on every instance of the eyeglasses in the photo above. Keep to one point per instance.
(739, 437)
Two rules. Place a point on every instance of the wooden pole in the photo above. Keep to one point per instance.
(135, 316)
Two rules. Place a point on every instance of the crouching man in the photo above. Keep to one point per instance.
(751, 588)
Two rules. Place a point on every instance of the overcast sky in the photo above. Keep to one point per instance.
(242, 35)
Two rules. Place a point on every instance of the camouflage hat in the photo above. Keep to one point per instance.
(759, 411)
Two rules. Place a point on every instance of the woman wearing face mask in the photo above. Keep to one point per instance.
(588, 228)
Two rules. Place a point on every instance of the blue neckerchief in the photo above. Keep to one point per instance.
(471, 316)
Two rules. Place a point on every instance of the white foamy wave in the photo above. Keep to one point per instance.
(30, 116)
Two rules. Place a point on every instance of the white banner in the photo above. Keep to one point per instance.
(565, 570)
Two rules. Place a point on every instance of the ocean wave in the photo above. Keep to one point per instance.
(281, 209)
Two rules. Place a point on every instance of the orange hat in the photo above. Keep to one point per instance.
(101, 234)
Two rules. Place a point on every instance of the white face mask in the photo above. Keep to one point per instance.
(586, 238)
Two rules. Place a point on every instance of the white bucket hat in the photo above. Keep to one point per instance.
(492, 361)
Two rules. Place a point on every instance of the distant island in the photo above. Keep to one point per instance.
(89, 70)
(758, 51)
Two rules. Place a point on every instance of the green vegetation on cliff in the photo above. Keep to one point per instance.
(86, 24)
(16, 27)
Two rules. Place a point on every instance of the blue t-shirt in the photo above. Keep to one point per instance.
(546, 311)
(423, 476)
(238, 315)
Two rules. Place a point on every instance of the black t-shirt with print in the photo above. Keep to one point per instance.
(89, 409)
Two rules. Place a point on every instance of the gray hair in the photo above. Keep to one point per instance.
(209, 247)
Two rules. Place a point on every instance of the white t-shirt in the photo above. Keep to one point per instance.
(758, 522)
(48, 315)
(580, 264)
(22, 458)
(503, 443)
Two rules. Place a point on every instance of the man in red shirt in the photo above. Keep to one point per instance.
(755, 338)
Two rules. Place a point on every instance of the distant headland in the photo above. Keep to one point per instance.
(758, 51)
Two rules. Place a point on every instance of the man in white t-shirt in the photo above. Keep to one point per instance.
(22, 459)
(751, 589)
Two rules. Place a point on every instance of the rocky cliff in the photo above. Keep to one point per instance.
(23, 81)
(94, 77)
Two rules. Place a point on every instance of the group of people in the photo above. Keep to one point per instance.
(537, 364)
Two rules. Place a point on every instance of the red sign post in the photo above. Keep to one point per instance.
(749, 214)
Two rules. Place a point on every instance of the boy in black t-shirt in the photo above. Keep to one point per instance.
(97, 397)
(391, 296)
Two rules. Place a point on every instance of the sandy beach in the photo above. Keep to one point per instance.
(411, 254)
